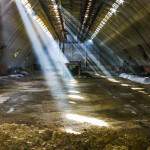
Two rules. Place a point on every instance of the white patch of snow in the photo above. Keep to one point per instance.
(16, 76)
(3, 99)
(10, 110)
(135, 78)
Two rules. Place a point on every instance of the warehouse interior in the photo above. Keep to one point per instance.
(75, 74)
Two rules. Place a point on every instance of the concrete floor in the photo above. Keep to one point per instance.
(113, 103)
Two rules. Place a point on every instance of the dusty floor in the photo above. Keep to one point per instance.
(92, 105)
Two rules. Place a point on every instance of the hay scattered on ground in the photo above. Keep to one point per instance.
(23, 137)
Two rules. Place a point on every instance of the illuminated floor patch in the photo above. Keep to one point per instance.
(85, 119)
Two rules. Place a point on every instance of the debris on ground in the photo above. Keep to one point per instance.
(24, 137)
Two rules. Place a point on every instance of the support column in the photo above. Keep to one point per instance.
(3, 68)
(0, 33)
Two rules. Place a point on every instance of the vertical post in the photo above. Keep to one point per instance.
(1, 44)
(63, 47)
(86, 63)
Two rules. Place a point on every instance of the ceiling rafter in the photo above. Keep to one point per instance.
(89, 11)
